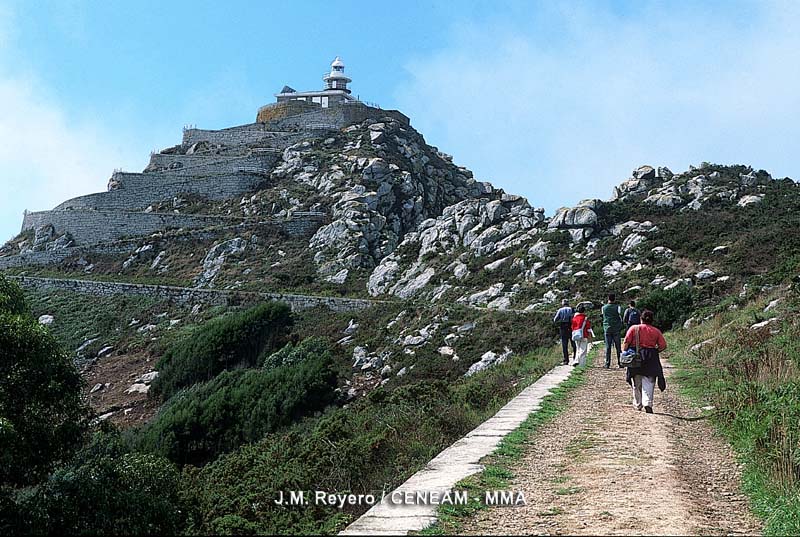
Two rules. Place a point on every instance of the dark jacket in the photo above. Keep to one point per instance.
(651, 367)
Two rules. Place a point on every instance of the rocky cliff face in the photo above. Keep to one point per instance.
(379, 181)
(503, 254)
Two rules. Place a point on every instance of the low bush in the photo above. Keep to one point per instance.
(105, 490)
(670, 307)
(751, 377)
(229, 342)
(12, 299)
(237, 407)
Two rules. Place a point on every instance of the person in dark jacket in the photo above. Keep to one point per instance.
(643, 379)
(612, 326)
(563, 319)
(631, 316)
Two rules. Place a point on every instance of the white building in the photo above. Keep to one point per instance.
(335, 92)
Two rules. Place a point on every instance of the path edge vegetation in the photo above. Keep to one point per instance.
(743, 407)
(498, 466)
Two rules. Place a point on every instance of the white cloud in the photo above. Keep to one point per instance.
(46, 155)
(563, 107)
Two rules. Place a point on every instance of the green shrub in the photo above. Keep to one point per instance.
(241, 406)
(372, 445)
(670, 307)
(12, 300)
(109, 491)
(42, 416)
(228, 342)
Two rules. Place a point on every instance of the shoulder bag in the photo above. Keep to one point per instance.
(577, 334)
(632, 359)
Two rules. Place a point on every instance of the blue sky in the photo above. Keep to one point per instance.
(557, 101)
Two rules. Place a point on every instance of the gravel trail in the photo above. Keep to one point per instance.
(602, 468)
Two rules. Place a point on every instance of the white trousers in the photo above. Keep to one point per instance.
(582, 346)
(643, 388)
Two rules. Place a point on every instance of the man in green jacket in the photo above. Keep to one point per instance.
(612, 326)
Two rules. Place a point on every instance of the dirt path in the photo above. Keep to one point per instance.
(602, 468)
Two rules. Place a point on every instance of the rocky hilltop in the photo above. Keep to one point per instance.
(349, 207)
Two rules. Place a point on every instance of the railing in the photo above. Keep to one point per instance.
(309, 214)
(321, 126)
(364, 103)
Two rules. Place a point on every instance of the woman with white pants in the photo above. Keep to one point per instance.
(581, 329)
(643, 379)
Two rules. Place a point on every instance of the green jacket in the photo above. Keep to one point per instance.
(612, 317)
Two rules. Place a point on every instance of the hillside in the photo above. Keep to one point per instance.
(421, 298)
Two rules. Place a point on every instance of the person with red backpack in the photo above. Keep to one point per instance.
(581, 331)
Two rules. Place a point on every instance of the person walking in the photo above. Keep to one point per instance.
(563, 319)
(581, 326)
(631, 316)
(643, 379)
(612, 327)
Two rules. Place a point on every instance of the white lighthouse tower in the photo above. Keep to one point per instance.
(335, 92)
(336, 79)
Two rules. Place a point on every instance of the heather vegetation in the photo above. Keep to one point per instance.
(256, 399)
(228, 342)
(369, 447)
(237, 407)
(671, 307)
(744, 363)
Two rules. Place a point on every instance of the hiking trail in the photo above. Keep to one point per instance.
(602, 468)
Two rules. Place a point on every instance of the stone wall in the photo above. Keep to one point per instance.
(186, 295)
(52, 257)
(283, 132)
(301, 226)
(90, 226)
(176, 164)
(253, 133)
(139, 190)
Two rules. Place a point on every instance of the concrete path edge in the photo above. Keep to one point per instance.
(453, 464)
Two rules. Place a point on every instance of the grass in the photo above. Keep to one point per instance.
(751, 378)
(80, 317)
(500, 464)
(567, 491)
(553, 511)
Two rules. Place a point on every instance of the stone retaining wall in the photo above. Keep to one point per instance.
(52, 257)
(140, 190)
(275, 111)
(90, 226)
(186, 295)
(176, 164)
(299, 227)
(253, 133)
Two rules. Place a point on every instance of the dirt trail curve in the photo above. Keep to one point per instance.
(601, 468)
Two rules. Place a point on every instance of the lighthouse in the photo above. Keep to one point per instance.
(336, 91)
(336, 79)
